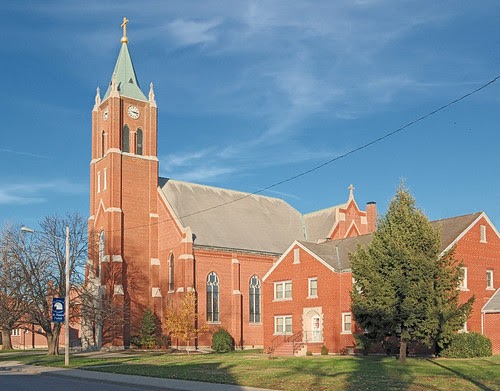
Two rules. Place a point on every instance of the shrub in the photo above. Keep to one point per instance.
(136, 341)
(222, 342)
(309, 353)
(324, 350)
(468, 345)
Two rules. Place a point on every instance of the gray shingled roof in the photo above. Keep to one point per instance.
(493, 304)
(451, 228)
(245, 221)
(336, 252)
(319, 224)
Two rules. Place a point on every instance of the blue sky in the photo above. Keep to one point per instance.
(252, 93)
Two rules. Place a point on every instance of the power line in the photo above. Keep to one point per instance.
(339, 157)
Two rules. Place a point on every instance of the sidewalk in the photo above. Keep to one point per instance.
(150, 382)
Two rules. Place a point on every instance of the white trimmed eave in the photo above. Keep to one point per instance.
(464, 232)
(497, 292)
(175, 218)
(288, 250)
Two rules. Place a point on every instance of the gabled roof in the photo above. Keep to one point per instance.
(232, 219)
(336, 252)
(493, 304)
(126, 79)
(454, 227)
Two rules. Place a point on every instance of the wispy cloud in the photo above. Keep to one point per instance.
(190, 32)
(36, 192)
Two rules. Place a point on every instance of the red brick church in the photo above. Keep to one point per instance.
(246, 255)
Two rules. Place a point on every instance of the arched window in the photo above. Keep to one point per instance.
(254, 297)
(102, 144)
(212, 298)
(171, 273)
(125, 139)
(101, 250)
(138, 147)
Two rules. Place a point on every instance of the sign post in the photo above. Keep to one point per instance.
(58, 309)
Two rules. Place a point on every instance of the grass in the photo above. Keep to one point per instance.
(251, 368)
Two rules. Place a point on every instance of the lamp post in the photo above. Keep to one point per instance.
(66, 301)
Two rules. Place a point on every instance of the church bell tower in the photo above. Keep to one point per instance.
(123, 198)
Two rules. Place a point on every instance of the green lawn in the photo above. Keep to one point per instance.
(253, 368)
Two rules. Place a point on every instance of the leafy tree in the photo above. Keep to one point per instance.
(403, 287)
(182, 322)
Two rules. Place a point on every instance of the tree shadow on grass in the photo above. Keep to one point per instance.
(477, 383)
(379, 373)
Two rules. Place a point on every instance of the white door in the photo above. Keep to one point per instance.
(315, 329)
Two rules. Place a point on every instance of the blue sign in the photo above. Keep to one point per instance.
(58, 309)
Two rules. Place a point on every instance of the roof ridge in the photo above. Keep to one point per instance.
(456, 217)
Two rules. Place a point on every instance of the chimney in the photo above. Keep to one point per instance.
(371, 216)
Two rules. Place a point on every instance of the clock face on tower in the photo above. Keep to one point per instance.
(133, 112)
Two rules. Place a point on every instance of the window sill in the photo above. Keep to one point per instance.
(282, 334)
(312, 297)
(465, 289)
(346, 333)
(217, 322)
(255, 324)
(287, 299)
(490, 288)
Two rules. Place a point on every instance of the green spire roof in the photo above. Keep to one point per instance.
(125, 76)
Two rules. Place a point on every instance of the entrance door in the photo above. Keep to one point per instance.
(315, 329)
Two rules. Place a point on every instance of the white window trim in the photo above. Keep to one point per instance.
(283, 283)
(283, 332)
(98, 182)
(296, 255)
(344, 331)
(492, 285)
(15, 332)
(464, 328)
(105, 186)
(309, 280)
(463, 281)
(482, 229)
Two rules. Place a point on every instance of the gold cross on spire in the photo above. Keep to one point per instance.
(124, 25)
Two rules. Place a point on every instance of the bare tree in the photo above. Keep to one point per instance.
(13, 298)
(42, 259)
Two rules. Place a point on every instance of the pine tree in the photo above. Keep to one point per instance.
(148, 329)
(403, 287)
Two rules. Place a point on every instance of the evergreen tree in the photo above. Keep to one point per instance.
(403, 288)
(148, 329)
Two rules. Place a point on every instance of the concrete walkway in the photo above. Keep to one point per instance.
(131, 380)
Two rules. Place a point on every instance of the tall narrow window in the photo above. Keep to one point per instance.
(254, 299)
(101, 251)
(483, 233)
(463, 278)
(489, 279)
(212, 298)
(103, 148)
(126, 139)
(171, 273)
(138, 140)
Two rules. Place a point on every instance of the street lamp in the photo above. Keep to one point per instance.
(66, 301)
